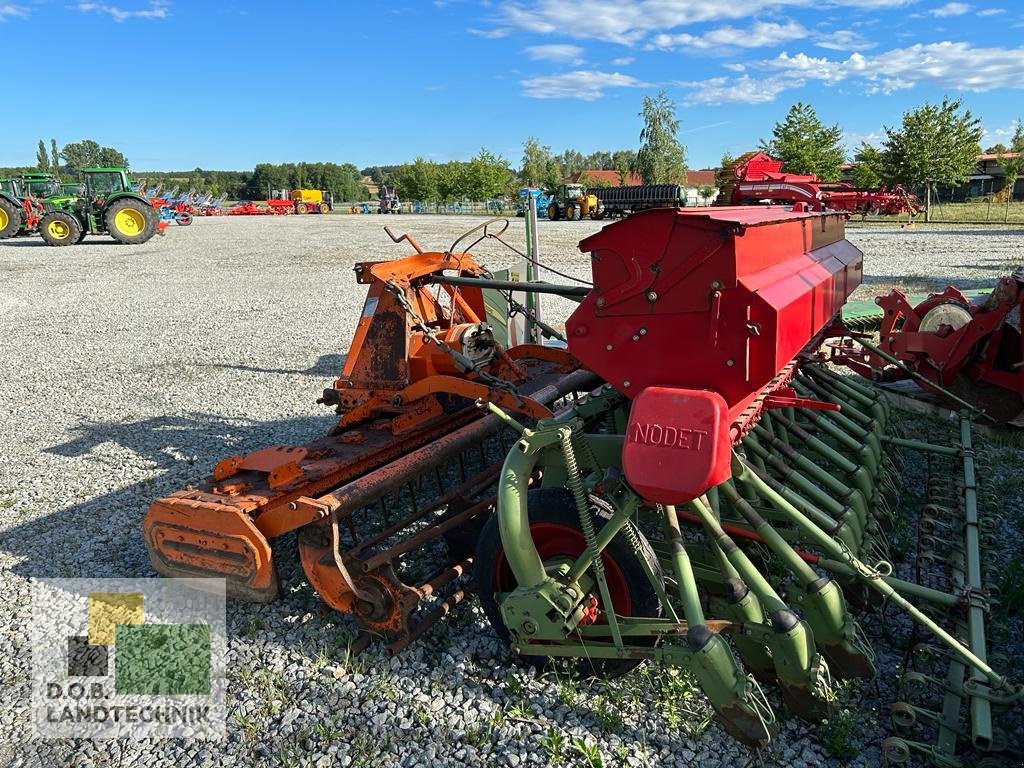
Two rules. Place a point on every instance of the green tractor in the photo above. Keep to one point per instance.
(107, 204)
(11, 208)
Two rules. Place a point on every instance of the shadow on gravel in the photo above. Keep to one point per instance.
(327, 366)
(37, 242)
(101, 535)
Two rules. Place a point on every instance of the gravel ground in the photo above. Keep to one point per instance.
(128, 372)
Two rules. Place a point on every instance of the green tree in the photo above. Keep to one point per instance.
(111, 157)
(54, 157)
(87, 153)
(1013, 166)
(572, 162)
(868, 166)
(722, 175)
(42, 157)
(936, 143)
(661, 158)
(486, 175)
(806, 145)
(537, 160)
(996, 149)
(416, 180)
(706, 192)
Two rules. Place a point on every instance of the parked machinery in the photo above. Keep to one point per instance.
(109, 205)
(312, 201)
(19, 213)
(538, 194)
(755, 178)
(404, 471)
(572, 202)
(721, 504)
(967, 350)
(387, 199)
(621, 201)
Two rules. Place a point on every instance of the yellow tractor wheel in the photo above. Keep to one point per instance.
(325, 208)
(10, 219)
(59, 228)
(301, 208)
(553, 212)
(130, 221)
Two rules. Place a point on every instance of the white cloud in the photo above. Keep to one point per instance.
(156, 9)
(758, 35)
(8, 10)
(991, 11)
(742, 90)
(843, 40)
(950, 9)
(630, 22)
(955, 66)
(585, 85)
(567, 53)
(623, 61)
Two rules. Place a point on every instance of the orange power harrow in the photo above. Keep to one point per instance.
(388, 504)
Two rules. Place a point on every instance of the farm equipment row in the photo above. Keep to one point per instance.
(723, 505)
(756, 178)
(103, 202)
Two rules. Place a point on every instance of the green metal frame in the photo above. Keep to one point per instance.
(810, 491)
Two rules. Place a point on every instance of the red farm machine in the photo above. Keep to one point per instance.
(757, 178)
(966, 351)
(687, 483)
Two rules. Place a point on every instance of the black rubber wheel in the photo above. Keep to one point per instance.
(10, 219)
(59, 228)
(130, 221)
(553, 213)
(574, 213)
(554, 524)
(81, 235)
(183, 219)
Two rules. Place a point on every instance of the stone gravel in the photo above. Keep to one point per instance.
(128, 372)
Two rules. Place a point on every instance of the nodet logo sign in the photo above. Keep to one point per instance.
(128, 658)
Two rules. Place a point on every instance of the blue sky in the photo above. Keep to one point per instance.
(177, 84)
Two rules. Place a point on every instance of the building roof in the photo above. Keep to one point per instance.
(700, 178)
(693, 178)
(611, 177)
(993, 156)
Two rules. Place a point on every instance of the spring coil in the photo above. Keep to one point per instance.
(575, 483)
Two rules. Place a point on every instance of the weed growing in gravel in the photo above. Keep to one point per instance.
(249, 727)
(609, 716)
(591, 753)
(553, 744)
(838, 733)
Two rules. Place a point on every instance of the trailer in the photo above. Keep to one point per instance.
(622, 201)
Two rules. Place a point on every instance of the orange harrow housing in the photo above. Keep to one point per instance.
(407, 466)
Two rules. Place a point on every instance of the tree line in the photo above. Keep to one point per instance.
(934, 144)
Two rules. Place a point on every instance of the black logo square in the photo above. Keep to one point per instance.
(87, 660)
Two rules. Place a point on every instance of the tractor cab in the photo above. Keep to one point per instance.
(10, 187)
(103, 182)
(41, 185)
